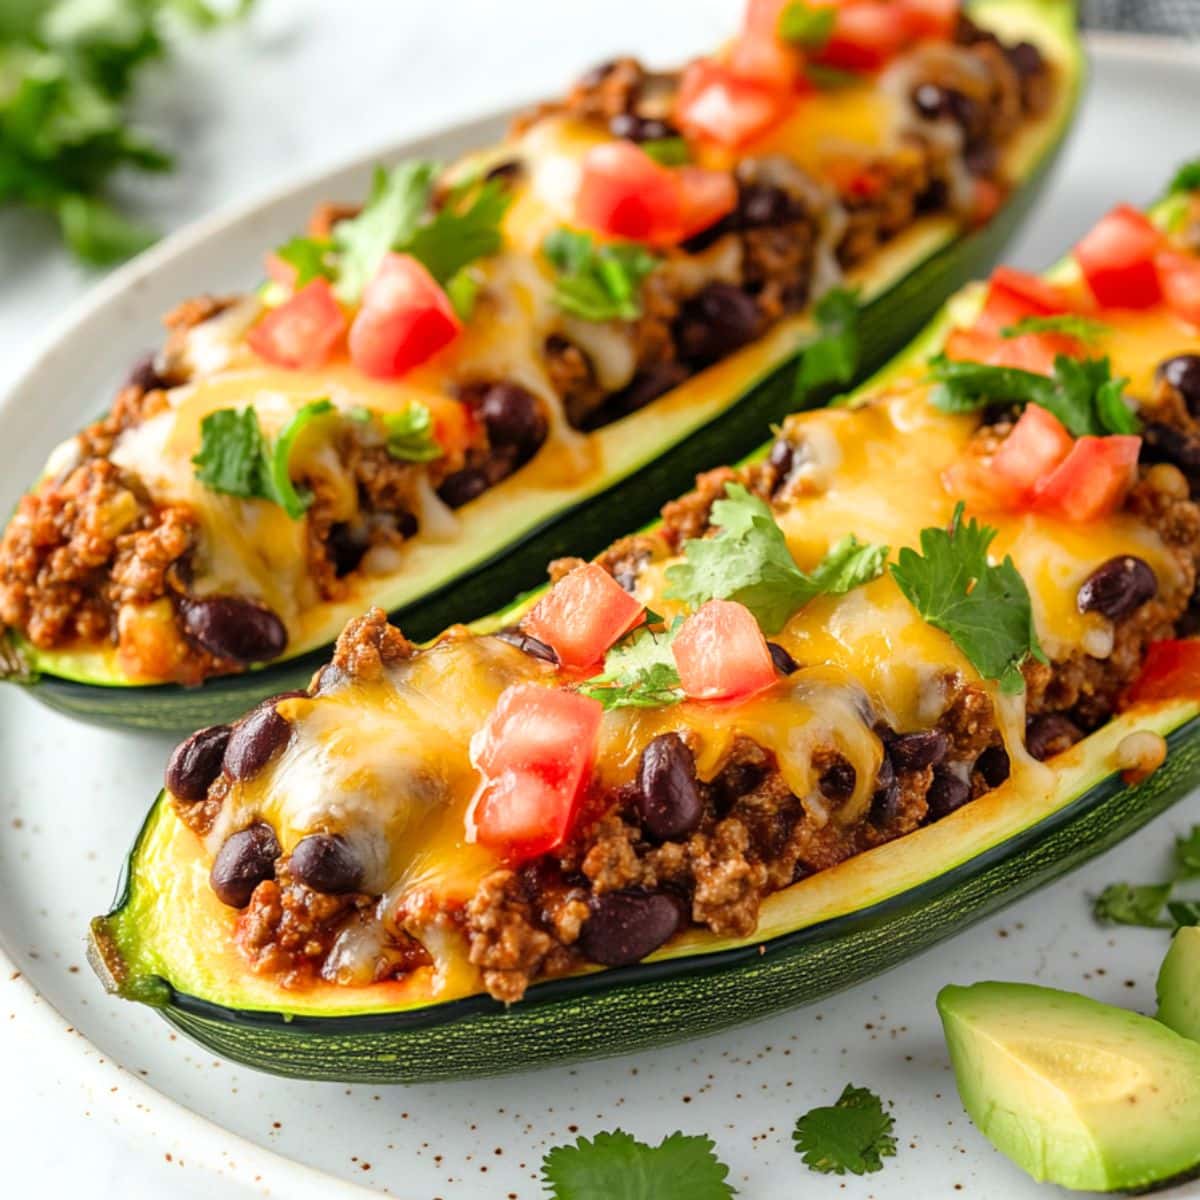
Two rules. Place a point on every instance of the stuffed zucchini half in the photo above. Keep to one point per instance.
(923, 652)
(438, 392)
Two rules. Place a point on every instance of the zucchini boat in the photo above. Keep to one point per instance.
(438, 393)
(417, 868)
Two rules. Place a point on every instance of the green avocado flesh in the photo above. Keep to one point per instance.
(1179, 984)
(1078, 1093)
(511, 532)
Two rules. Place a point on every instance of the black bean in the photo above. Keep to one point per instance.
(247, 858)
(1117, 587)
(837, 781)
(933, 102)
(326, 863)
(507, 171)
(346, 547)
(144, 374)
(981, 158)
(231, 627)
(1183, 374)
(623, 927)
(946, 793)
(782, 457)
(885, 802)
(1165, 443)
(785, 664)
(761, 204)
(656, 380)
(993, 765)
(668, 797)
(914, 751)
(257, 738)
(716, 322)
(1050, 734)
(527, 644)
(197, 762)
(596, 75)
(641, 129)
(513, 417)
(406, 523)
(1026, 59)
(463, 486)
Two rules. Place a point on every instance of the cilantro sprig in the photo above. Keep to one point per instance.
(748, 560)
(1084, 396)
(597, 283)
(1075, 325)
(616, 1166)
(1143, 903)
(311, 258)
(639, 671)
(985, 609)
(1186, 178)
(236, 459)
(410, 432)
(832, 355)
(806, 25)
(853, 1134)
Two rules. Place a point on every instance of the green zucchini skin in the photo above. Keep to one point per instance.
(887, 323)
(658, 1003)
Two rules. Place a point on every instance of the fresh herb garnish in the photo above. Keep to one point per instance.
(748, 560)
(235, 459)
(1084, 396)
(311, 258)
(639, 671)
(616, 1166)
(854, 1134)
(1084, 329)
(1184, 912)
(668, 151)
(465, 228)
(1133, 904)
(463, 290)
(597, 283)
(806, 25)
(410, 434)
(832, 355)
(1186, 179)
(830, 78)
(1187, 854)
(985, 609)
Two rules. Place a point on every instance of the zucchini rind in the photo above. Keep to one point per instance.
(491, 852)
(257, 484)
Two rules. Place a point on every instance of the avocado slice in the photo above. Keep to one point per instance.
(1076, 1092)
(1179, 984)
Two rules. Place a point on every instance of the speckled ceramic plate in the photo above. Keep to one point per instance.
(71, 798)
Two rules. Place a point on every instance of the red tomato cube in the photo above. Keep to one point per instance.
(405, 319)
(866, 35)
(302, 331)
(1013, 295)
(1092, 481)
(1037, 444)
(716, 103)
(582, 615)
(1117, 259)
(1171, 672)
(721, 653)
(1179, 276)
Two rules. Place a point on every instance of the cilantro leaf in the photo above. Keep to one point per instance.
(985, 609)
(1084, 396)
(234, 457)
(639, 671)
(597, 283)
(832, 355)
(1186, 179)
(465, 228)
(854, 1134)
(615, 1166)
(748, 560)
(806, 25)
(310, 257)
(463, 290)
(1184, 912)
(1132, 904)
(1187, 854)
(668, 151)
(1085, 329)
(389, 218)
(410, 434)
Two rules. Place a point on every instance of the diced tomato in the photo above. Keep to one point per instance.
(866, 35)
(1117, 259)
(706, 196)
(582, 615)
(535, 754)
(763, 17)
(405, 319)
(930, 18)
(279, 271)
(1091, 481)
(1013, 295)
(1037, 444)
(721, 653)
(973, 481)
(302, 331)
(716, 103)
(1171, 672)
(1028, 352)
(1179, 277)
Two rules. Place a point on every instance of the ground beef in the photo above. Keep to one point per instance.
(368, 646)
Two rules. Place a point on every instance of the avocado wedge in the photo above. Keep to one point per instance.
(507, 536)
(1179, 984)
(1077, 1093)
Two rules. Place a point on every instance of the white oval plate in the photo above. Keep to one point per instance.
(109, 1079)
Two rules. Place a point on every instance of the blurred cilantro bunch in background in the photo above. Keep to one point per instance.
(67, 73)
